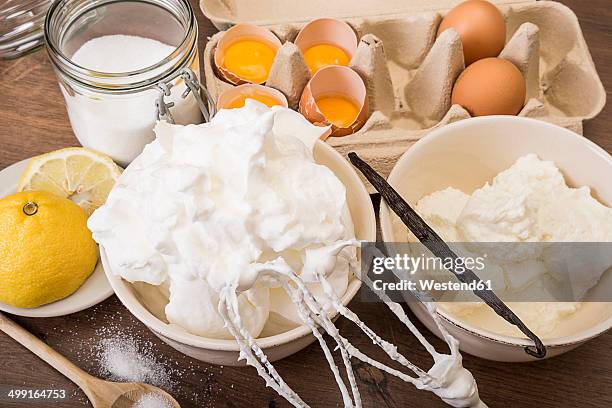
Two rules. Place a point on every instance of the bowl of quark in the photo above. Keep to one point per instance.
(279, 338)
(466, 155)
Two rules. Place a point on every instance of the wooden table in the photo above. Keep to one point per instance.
(33, 121)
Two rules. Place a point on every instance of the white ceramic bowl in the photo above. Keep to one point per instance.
(148, 306)
(468, 153)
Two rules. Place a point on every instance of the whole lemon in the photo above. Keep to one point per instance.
(46, 250)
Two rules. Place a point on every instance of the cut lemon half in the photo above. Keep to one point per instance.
(80, 174)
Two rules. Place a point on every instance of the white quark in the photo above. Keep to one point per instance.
(528, 202)
(121, 125)
(241, 223)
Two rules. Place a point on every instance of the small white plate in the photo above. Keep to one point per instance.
(95, 290)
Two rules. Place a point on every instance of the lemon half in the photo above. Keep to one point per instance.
(77, 173)
(46, 250)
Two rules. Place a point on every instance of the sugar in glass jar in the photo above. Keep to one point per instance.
(112, 59)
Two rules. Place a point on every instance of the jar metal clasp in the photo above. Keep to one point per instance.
(194, 87)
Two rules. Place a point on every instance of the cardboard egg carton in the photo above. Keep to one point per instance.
(409, 73)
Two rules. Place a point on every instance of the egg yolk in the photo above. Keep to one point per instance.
(250, 60)
(240, 101)
(322, 55)
(339, 110)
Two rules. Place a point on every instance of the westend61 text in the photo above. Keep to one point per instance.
(430, 284)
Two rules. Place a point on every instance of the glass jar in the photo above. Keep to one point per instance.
(21, 26)
(114, 112)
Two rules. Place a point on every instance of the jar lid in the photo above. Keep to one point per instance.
(21, 26)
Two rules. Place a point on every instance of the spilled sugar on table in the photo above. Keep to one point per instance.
(33, 120)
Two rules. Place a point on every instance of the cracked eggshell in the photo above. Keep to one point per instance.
(335, 80)
(327, 31)
(566, 86)
(249, 90)
(239, 31)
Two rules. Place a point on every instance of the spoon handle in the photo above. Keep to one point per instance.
(42, 350)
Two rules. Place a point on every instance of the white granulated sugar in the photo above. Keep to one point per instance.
(121, 359)
(121, 125)
(120, 53)
(151, 400)
(187, 380)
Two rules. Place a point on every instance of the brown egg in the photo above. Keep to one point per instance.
(491, 86)
(481, 26)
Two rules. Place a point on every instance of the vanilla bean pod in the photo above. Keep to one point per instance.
(428, 237)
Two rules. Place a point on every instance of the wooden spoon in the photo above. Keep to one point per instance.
(102, 394)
